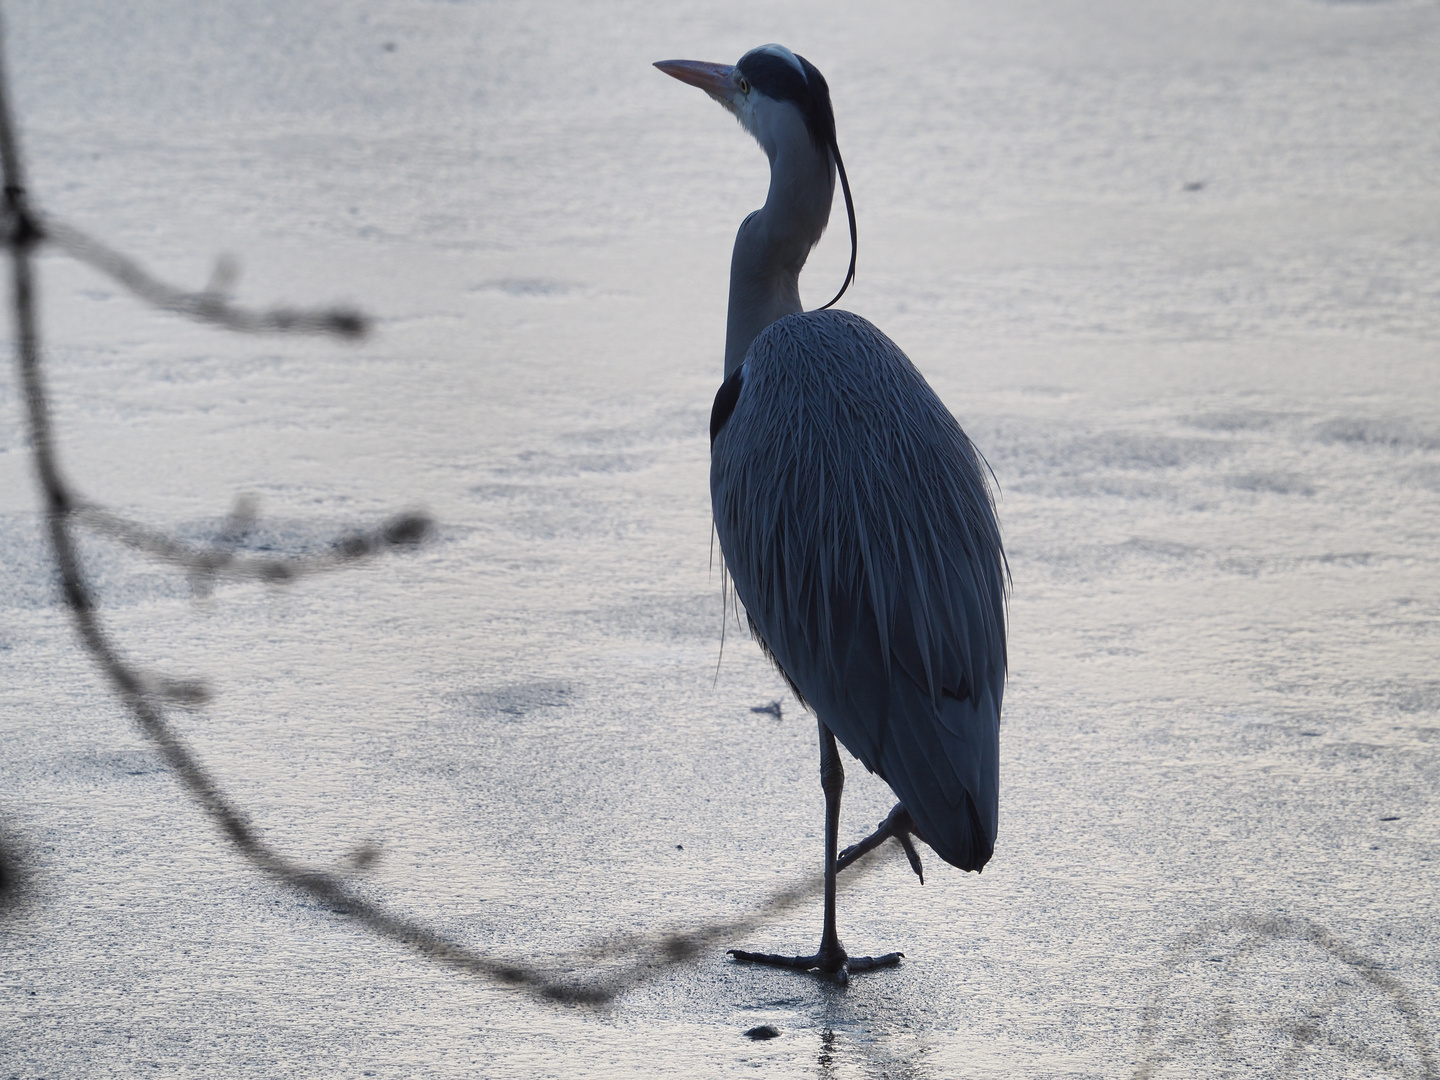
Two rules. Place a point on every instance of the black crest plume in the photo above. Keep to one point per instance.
(807, 90)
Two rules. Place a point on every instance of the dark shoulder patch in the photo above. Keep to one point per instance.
(725, 399)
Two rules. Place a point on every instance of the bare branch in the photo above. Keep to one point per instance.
(215, 562)
(209, 305)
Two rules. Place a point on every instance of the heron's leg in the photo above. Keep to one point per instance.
(832, 782)
(831, 960)
(898, 824)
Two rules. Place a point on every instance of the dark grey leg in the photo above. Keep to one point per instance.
(832, 955)
(831, 960)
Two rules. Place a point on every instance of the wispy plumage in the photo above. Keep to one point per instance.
(859, 532)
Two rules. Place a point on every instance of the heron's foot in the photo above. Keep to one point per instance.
(835, 965)
(897, 824)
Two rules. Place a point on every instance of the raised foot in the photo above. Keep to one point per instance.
(897, 825)
(823, 965)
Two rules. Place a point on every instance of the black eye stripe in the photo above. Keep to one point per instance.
(774, 77)
(777, 78)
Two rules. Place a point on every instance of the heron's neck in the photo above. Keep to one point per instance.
(774, 242)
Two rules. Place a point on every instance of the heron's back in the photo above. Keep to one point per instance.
(858, 529)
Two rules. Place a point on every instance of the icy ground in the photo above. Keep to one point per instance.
(1175, 267)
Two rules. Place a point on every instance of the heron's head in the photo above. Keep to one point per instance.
(781, 99)
(772, 92)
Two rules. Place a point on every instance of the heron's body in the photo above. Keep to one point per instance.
(852, 512)
(856, 526)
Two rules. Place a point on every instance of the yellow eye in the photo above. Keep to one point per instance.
(744, 85)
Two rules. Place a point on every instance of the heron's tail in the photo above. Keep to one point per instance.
(945, 770)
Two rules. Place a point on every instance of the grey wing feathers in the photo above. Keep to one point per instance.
(859, 532)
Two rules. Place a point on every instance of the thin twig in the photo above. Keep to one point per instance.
(209, 305)
(212, 562)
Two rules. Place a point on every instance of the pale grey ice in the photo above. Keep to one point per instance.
(1175, 267)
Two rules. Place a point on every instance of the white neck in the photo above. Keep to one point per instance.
(774, 242)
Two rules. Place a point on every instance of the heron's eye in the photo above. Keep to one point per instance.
(744, 85)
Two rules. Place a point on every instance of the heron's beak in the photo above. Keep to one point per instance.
(717, 80)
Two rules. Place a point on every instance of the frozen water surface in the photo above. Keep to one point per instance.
(1175, 267)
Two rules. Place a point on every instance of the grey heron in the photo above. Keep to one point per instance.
(853, 513)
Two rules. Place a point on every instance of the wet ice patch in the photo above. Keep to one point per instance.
(625, 448)
(1138, 558)
(1390, 432)
(1350, 560)
(1235, 420)
(523, 287)
(1142, 557)
(1271, 483)
(1412, 696)
(1111, 450)
(516, 702)
(1124, 450)
(1123, 464)
(664, 618)
(102, 766)
(1425, 476)
(1091, 487)
(549, 464)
